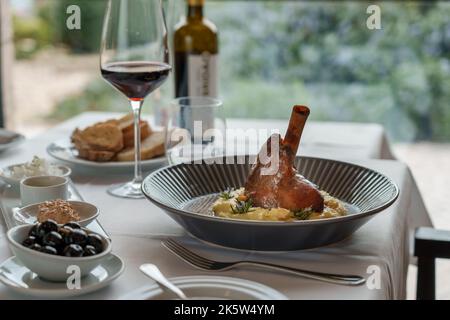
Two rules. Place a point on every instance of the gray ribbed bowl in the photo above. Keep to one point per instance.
(186, 191)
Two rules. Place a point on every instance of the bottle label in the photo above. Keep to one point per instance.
(203, 75)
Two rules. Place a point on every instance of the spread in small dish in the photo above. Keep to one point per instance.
(57, 210)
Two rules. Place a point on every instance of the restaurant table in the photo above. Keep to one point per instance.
(379, 248)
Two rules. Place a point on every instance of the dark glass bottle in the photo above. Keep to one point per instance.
(196, 54)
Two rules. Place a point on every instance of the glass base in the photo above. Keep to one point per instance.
(130, 190)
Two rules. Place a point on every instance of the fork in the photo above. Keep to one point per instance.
(206, 264)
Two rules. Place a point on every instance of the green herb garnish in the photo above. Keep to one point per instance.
(303, 214)
(226, 195)
(242, 206)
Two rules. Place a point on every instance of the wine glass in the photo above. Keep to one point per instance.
(134, 59)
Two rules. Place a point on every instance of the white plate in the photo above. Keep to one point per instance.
(6, 134)
(28, 214)
(63, 150)
(18, 278)
(209, 288)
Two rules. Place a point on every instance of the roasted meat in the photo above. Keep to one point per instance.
(273, 181)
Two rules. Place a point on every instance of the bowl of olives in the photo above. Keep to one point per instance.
(49, 249)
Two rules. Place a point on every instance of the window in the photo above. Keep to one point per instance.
(273, 54)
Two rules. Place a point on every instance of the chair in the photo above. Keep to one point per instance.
(429, 244)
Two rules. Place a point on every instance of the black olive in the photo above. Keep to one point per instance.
(37, 232)
(65, 234)
(73, 250)
(67, 228)
(78, 237)
(48, 226)
(28, 242)
(96, 241)
(36, 247)
(34, 230)
(89, 251)
(73, 225)
(53, 239)
(49, 250)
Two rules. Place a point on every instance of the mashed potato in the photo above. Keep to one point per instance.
(231, 204)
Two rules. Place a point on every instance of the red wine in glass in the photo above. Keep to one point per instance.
(134, 57)
(136, 79)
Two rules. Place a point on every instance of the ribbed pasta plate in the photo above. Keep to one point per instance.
(186, 192)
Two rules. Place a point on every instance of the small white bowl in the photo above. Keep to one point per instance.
(52, 267)
(5, 174)
(43, 188)
(28, 214)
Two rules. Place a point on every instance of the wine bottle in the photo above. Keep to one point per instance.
(196, 54)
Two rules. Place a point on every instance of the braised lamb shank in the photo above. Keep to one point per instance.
(283, 187)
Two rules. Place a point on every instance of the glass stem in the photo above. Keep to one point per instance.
(136, 106)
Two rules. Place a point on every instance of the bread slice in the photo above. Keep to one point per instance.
(110, 121)
(114, 140)
(101, 137)
(94, 155)
(126, 124)
(128, 134)
(151, 147)
(126, 121)
(85, 152)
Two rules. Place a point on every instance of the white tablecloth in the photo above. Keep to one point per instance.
(383, 242)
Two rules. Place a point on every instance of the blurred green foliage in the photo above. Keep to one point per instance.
(322, 54)
(277, 53)
(48, 27)
(87, 39)
(97, 96)
(31, 34)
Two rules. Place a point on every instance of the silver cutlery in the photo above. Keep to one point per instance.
(211, 265)
(153, 272)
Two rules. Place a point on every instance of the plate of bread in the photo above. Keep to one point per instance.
(110, 144)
